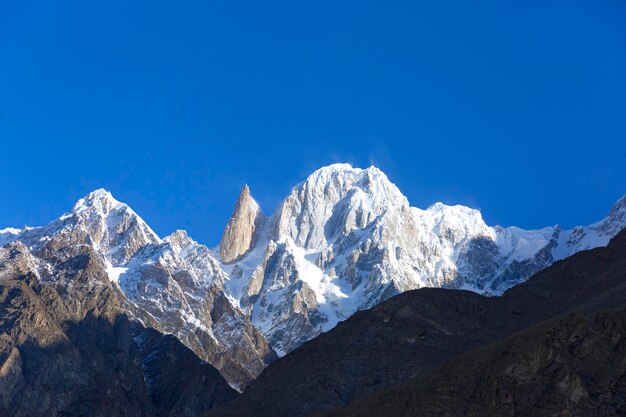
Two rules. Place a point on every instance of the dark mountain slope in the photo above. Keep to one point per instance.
(363, 353)
(66, 349)
(411, 334)
(571, 366)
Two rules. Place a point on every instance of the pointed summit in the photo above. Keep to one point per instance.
(240, 232)
(112, 225)
(99, 199)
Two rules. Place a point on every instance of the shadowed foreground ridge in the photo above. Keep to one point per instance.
(554, 345)
(66, 349)
(571, 366)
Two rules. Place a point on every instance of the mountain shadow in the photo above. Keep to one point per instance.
(69, 356)
(574, 365)
(575, 307)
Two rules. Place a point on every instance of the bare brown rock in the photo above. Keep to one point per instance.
(572, 366)
(173, 285)
(554, 345)
(240, 232)
(67, 348)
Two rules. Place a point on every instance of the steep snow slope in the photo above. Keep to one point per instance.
(173, 281)
(346, 239)
(342, 240)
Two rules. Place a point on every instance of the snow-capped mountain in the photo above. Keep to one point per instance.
(342, 240)
(173, 283)
(346, 239)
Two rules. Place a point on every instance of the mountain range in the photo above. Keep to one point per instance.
(346, 239)
(342, 241)
(69, 348)
(552, 346)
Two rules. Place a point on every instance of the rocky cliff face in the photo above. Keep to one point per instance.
(67, 347)
(343, 240)
(346, 238)
(173, 285)
(554, 345)
(573, 366)
(240, 232)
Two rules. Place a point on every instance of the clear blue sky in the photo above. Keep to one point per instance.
(514, 107)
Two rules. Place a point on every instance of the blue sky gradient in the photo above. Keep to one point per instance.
(517, 108)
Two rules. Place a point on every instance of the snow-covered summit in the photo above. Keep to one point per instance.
(97, 219)
(343, 239)
(175, 281)
(346, 238)
(334, 199)
(100, 199)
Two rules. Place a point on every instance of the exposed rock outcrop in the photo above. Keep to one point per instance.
(67, 348)
(555, 345)
(346, 239)
(343, 240)
(241, 231)
(572, 366)
(173, 285)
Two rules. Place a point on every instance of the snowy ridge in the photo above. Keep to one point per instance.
(346, 238)
(175, 281)
(342, 240)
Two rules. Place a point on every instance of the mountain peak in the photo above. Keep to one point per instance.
(179, 239)
(245, 199)
(240, 233)
(113, 225)
(337, 167)
(342, 177)
(345, 167)
(99, 199)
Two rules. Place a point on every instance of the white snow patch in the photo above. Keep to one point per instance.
(114, 272)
